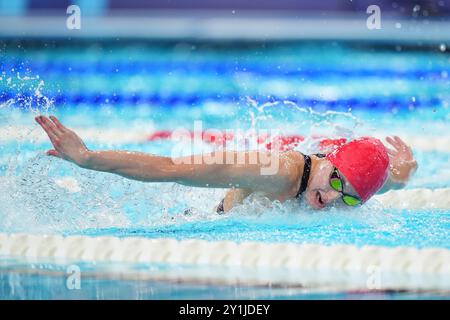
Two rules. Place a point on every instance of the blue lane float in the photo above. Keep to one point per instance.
(98, 99)
(216, 68)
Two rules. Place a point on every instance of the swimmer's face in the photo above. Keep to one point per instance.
(319, 193)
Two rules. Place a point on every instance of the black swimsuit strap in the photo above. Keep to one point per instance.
(306, 173)
(305, 177)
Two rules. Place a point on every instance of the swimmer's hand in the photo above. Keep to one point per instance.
(401, 160)
(67, 144)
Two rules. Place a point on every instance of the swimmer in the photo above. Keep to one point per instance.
(349, 175)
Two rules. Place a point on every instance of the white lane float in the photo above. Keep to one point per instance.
(342, 267)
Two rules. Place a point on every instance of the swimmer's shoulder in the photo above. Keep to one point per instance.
(292, 163)
(293, 156)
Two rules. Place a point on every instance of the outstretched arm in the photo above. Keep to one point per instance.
(245, 169)
(402, 164)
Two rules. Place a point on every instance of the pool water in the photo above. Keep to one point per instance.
(94, 288)
(116, 93)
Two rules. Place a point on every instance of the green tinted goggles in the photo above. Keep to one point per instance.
(337, 184)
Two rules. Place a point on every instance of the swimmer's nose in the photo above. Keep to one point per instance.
(331, 195)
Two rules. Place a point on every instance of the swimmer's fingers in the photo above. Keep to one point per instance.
(50, 130)
(391, 152)
(402, 150)
(393, 143)
(397, 143)
(403, 146)
(58, 124)
(49, 126)
(54, 153)
(400, 143)
(390, 140)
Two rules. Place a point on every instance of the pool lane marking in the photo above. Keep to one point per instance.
(310, 265)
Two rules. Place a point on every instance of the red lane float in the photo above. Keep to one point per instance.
(287, 142)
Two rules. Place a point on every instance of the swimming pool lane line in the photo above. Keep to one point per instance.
(310, 265)
(214, 68)
(99, 99)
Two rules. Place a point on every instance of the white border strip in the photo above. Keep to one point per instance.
(343, 266)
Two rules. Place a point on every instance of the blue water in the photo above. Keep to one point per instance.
(52, 287)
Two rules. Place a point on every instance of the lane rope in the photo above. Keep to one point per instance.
(309, 265)
(97, 99)
(214, 68)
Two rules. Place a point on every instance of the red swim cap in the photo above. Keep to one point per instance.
(364, 162)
